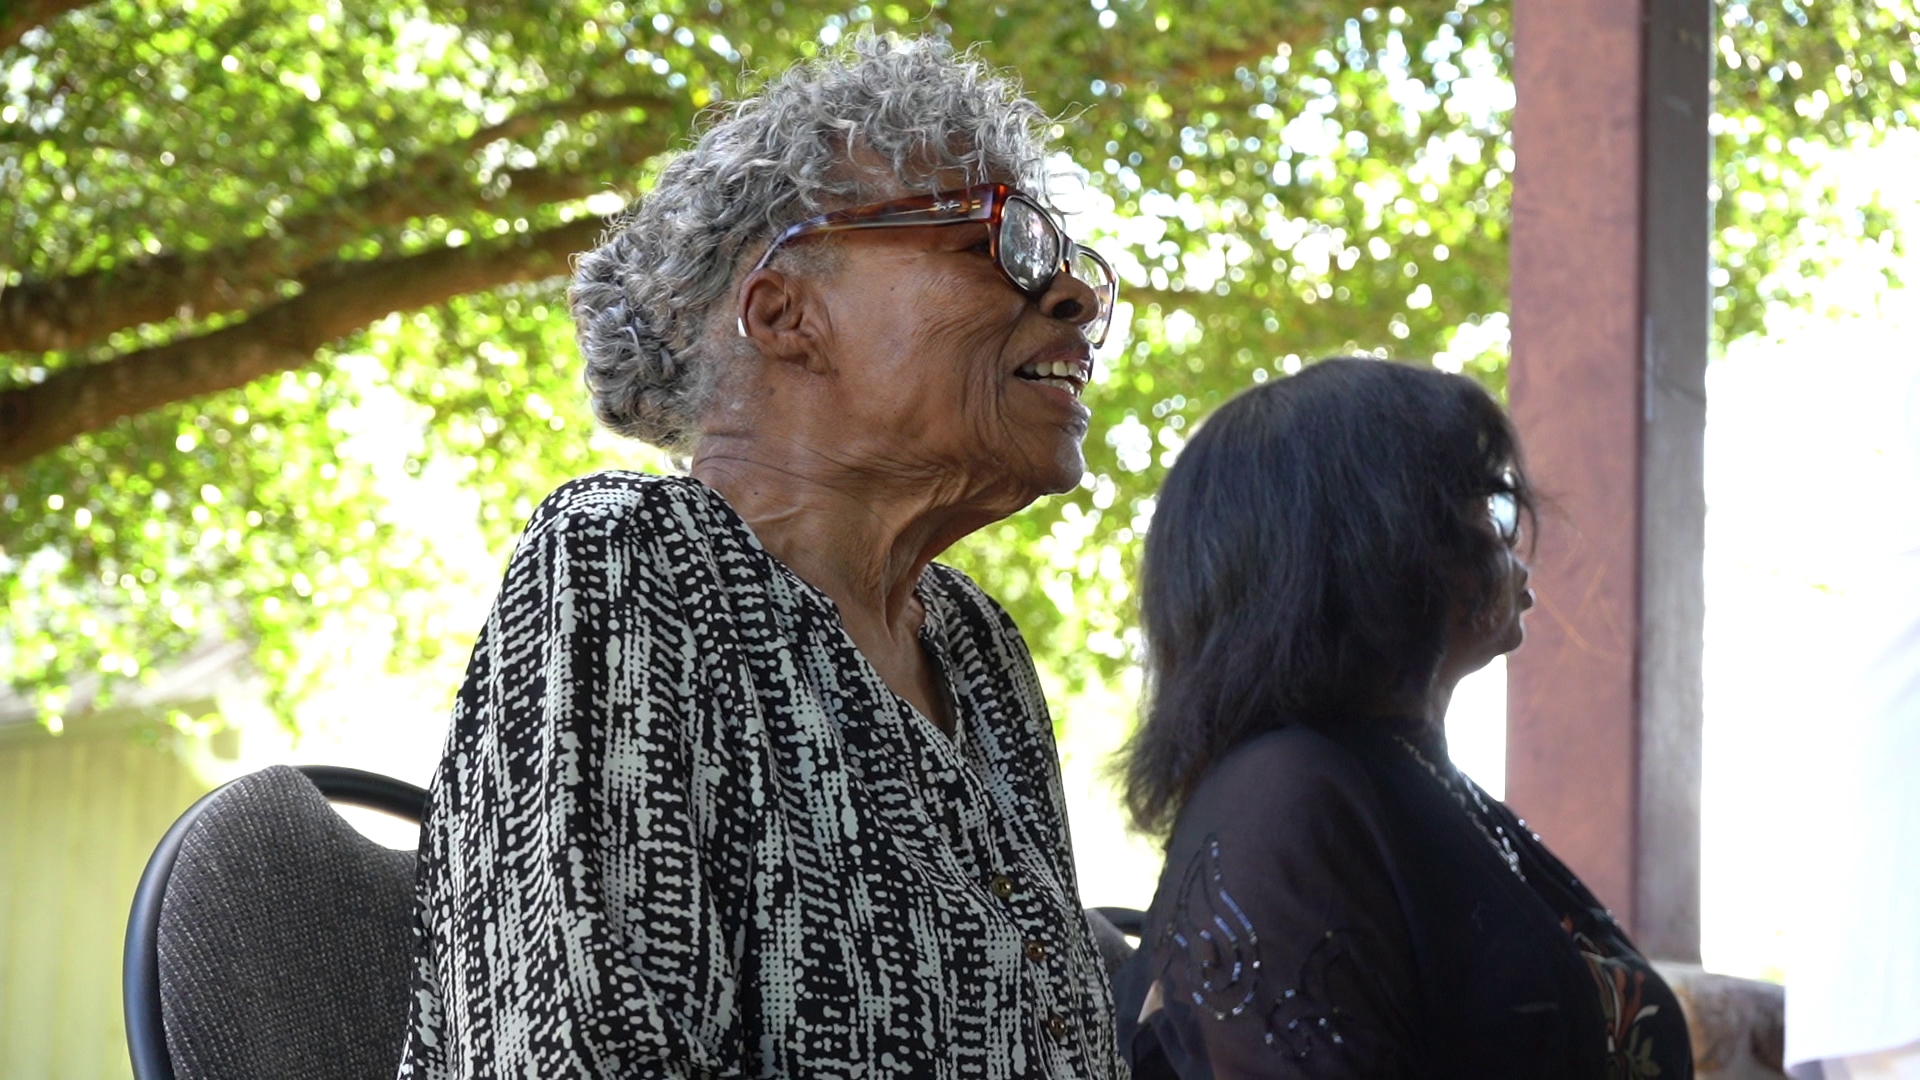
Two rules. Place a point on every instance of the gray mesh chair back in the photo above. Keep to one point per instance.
(270, 939)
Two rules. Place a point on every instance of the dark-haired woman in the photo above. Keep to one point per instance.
(1331, 554)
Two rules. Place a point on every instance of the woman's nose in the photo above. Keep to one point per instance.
(1070, 299)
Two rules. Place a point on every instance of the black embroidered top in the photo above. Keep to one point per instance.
(1346, 904)
(683, 828)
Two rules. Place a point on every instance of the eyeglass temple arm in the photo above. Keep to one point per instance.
(980, 210)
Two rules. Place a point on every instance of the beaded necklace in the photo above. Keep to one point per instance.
(1468, 796)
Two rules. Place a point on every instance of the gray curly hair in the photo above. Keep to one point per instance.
(644, 300)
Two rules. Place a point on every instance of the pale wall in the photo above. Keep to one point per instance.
(79, 814)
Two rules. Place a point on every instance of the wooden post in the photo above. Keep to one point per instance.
(1610, 321)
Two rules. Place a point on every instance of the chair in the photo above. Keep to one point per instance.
(1129, 921)
(1111, 927)
(268, 938)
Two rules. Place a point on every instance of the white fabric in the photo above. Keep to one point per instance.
(1853, 977)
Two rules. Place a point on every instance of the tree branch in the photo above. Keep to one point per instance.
(522, 124)
(36, 419)
(81, 310)
(20, 16)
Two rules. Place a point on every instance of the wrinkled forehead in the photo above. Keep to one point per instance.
(869, 176)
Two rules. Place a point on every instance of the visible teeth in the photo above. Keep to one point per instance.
(1066, 384)
(1059, 369)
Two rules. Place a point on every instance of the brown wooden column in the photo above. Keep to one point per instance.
(1610, 323)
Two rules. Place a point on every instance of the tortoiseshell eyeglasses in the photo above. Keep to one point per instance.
(1027, 244)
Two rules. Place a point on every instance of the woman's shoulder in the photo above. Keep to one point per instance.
(669, 515)
(613, 497)
(638, 528)
(1284, 788)
(1293, 763)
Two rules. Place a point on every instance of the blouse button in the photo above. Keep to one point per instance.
(1057, 1026)
(1036, 951)
(1002, 886)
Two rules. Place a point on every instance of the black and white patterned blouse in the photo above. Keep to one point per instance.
(683, 829)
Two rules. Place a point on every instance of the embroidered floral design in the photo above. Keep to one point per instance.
(1622, 987)
(1214, 938)
(1211, 936)
(1302, 1013)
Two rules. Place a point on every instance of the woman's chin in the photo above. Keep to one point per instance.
(1067, 472)
(1516, 636)
(1052, 469)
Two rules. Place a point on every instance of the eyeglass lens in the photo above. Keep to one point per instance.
(1089, 269)
(1031, 253)
(1029, 245)
(1504, 509)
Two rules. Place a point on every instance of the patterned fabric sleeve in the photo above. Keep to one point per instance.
(1278, 941)
(569, 928)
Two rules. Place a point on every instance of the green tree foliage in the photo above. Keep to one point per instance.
(271, 269)
(1795, 81)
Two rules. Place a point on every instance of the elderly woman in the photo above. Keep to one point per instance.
(1331, 554)
(740, 782)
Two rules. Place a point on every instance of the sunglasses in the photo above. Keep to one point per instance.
(1026, 242)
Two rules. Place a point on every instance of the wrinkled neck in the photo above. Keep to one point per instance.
(862, 540)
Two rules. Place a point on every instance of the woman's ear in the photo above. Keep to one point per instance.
(784, 318)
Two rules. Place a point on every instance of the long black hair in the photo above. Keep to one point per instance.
(1306, 555)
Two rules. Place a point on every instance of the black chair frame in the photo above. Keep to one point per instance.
(140, 971)
(1129, 921)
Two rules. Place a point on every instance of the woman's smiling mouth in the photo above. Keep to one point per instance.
(1068, 373)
